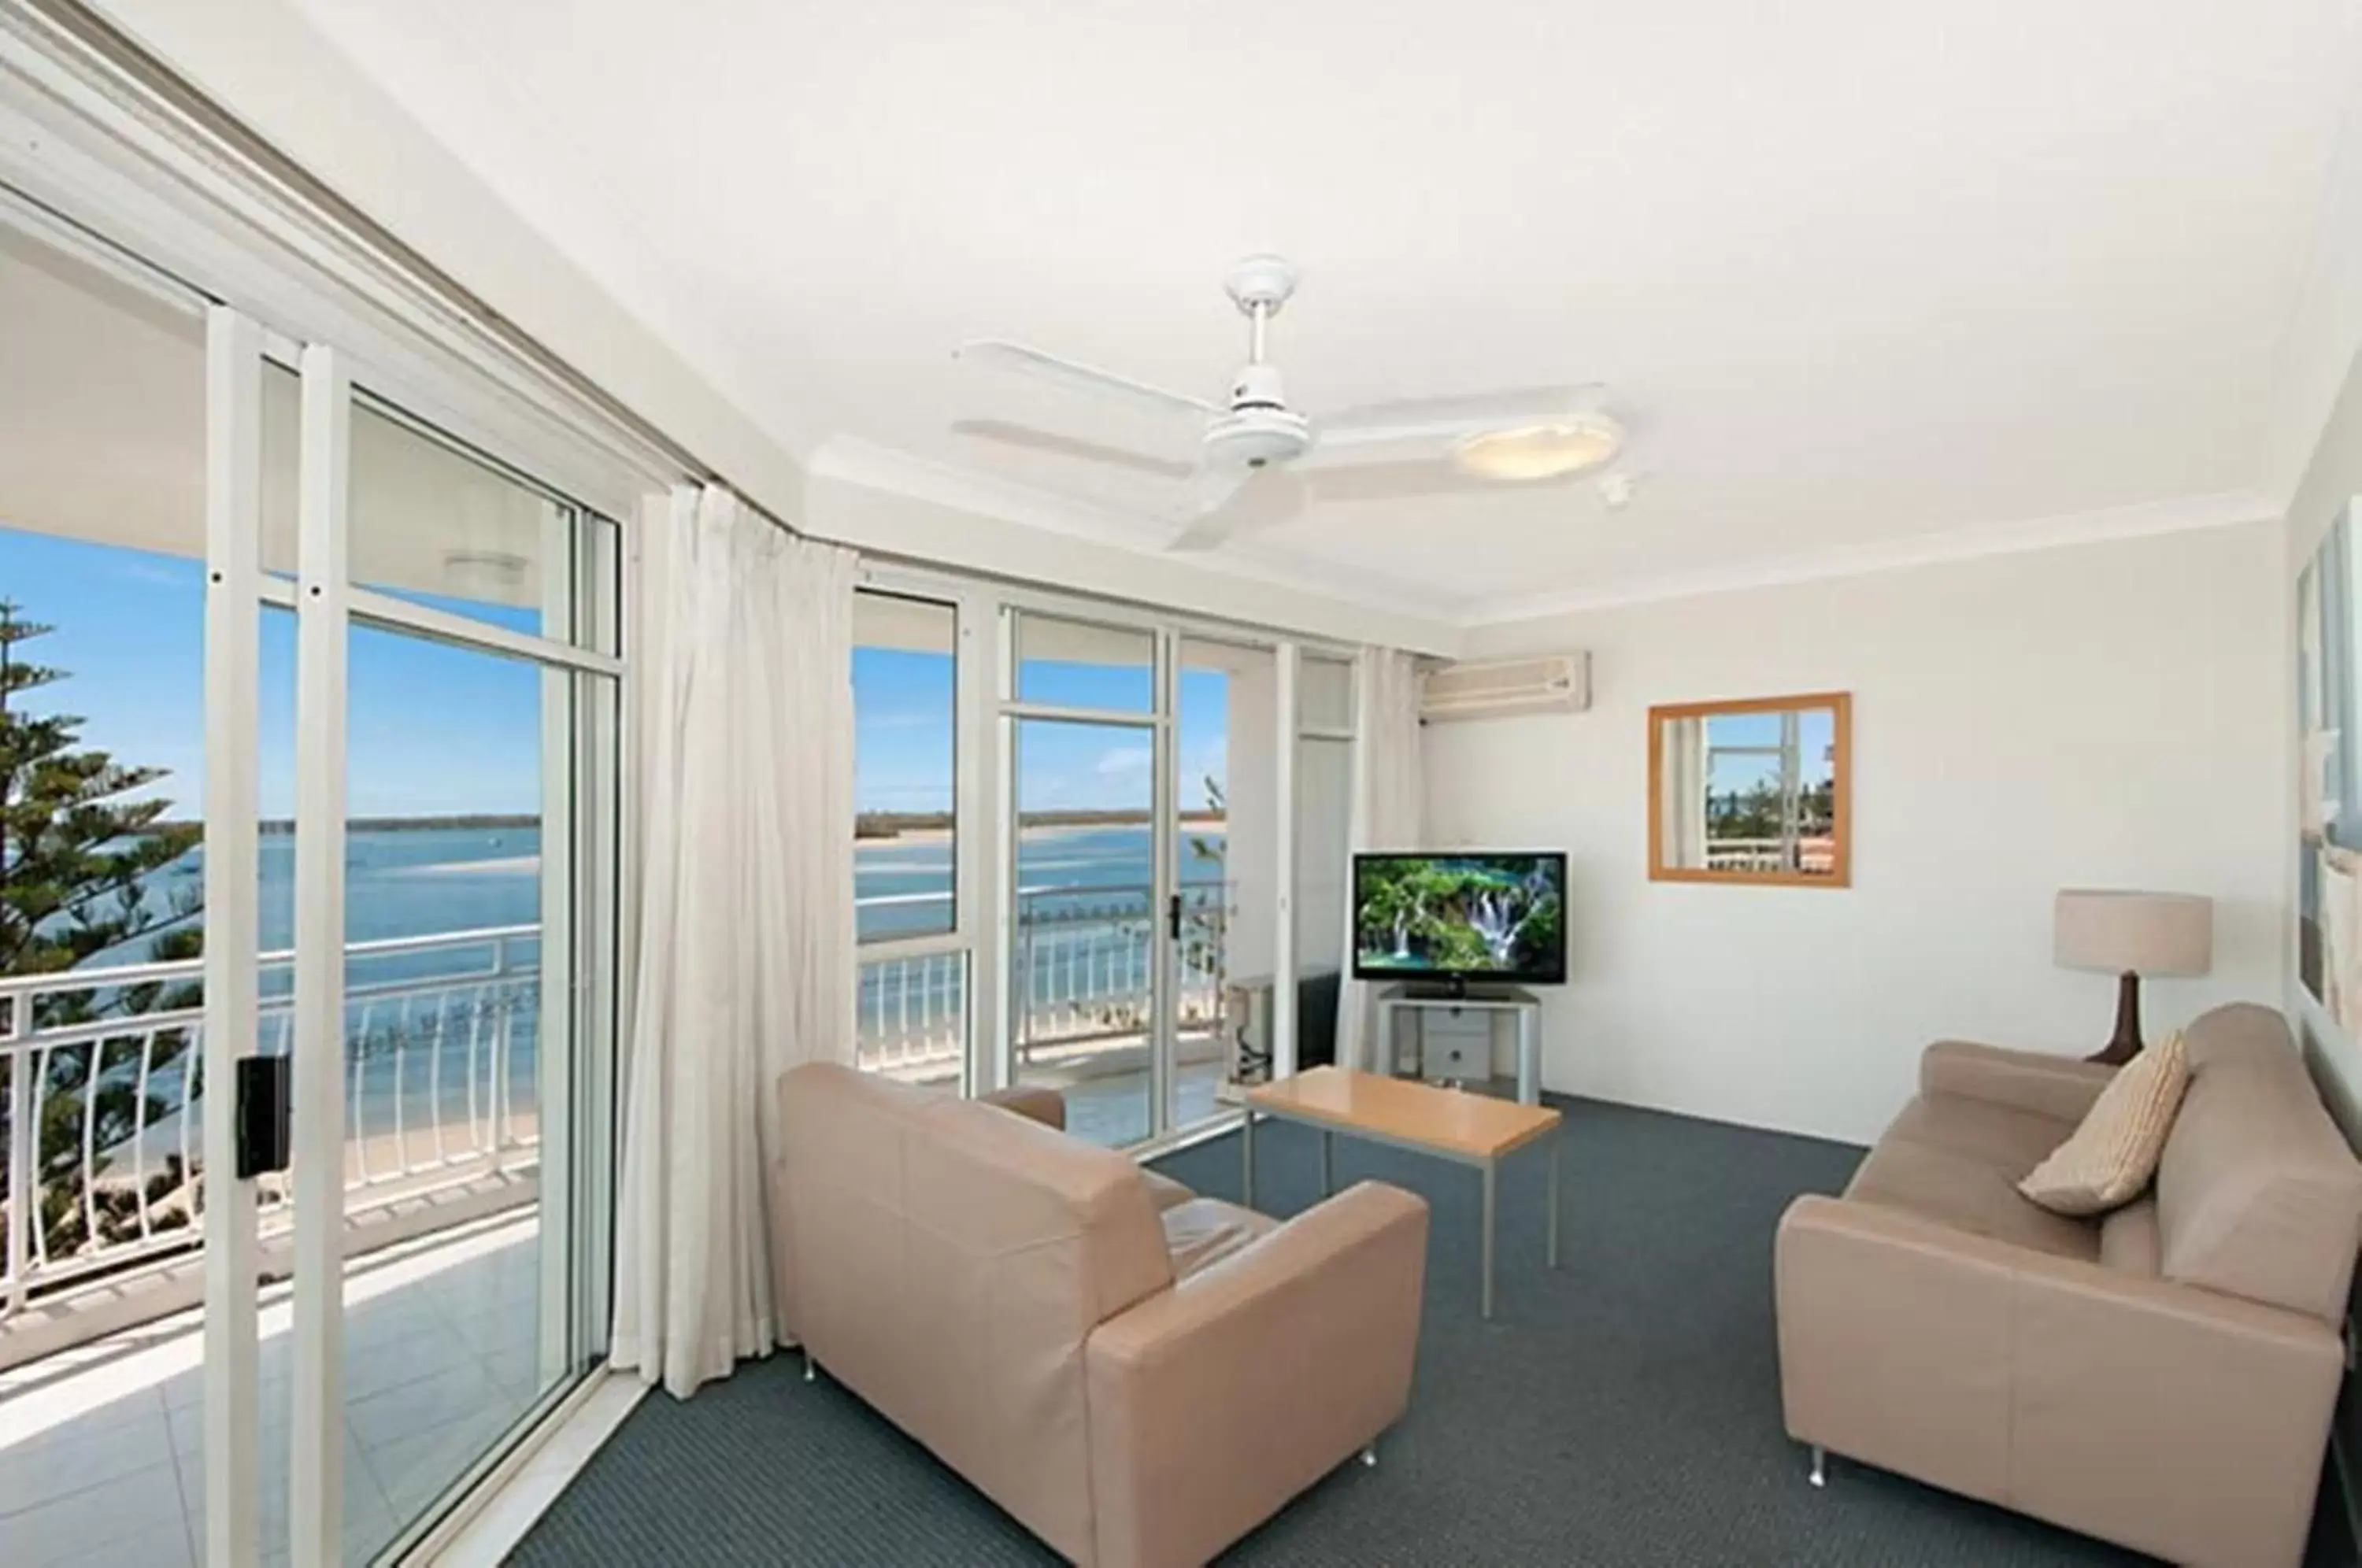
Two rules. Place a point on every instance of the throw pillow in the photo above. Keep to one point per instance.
(2107, 1160)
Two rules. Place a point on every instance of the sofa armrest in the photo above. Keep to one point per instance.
(2058, 1086)
(2166, 1416)
(1213, 1403)
(1046, 1106)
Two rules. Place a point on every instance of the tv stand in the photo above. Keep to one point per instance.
(1455, 1000)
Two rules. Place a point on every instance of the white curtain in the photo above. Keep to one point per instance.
(741, 944)
(1389, 811)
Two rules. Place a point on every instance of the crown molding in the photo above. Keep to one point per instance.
(901, 473)
(2226, 510)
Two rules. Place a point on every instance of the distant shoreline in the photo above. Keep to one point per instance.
(869, 827)
(270, 826)
(872, 827)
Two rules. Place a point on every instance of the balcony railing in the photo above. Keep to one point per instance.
(1081, 978)
(104, 1068)
(1812, 852)
(441, 1035)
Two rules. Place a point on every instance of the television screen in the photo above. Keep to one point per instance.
(1459, 917)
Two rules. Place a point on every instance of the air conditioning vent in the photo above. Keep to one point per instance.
(1498, 688)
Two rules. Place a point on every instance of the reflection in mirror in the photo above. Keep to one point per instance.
(1752, 791)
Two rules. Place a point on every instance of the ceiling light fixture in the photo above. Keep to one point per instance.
(1541, 451)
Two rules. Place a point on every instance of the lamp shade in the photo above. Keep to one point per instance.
(2146, 933)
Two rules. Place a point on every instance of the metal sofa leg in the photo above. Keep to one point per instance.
(1820, 1476)
(1370, 1454)
(809, 1372)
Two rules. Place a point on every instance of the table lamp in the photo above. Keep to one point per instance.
(2130, 934)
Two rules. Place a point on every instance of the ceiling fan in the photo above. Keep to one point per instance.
(1254, 443)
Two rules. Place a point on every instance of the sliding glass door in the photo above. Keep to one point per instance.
(476, 946)
(1225, 827)
(309, 726)
(1143, 769)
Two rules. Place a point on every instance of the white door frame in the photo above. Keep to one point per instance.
(233, 940)
(317, 1417)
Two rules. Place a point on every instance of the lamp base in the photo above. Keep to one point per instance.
(2126, 1043)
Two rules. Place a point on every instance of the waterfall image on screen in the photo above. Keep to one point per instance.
(1501, 916)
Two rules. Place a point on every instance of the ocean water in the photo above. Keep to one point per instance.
(904, 885)
(1085, 893)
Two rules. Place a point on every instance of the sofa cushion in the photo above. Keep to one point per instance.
(2002, 1135)
(2106, 1162)
(1204, 1231)
(1953, 1161)
(1163, 1192)
(2257, 1194)
(2128, 1240)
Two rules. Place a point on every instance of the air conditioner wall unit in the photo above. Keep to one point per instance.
(1502, 688)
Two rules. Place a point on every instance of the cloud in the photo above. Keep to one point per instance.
(1124, 761)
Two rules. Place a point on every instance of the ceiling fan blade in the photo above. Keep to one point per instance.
(1232, 502)
(1426, 430)
(1018, 359)
(1527, 405)
(1035, 440)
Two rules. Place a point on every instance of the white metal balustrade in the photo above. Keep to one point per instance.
(104, 1064)
(441, 1035)
(1081, 978)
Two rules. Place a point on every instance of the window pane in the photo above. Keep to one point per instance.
(467, 910)
(1081, 961)
(1324, 694)
(912, 1019)
(102, 1141)
(438, 526)
(1072, 664)
(1225, 730)
(905, 679)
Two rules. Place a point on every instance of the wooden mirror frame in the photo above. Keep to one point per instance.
(1840, 873)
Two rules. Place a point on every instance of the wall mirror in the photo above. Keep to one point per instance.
(1752, 792)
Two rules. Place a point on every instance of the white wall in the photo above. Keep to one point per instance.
(2108, 714)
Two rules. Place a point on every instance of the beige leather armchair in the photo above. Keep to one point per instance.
(1137, 1375)
(2162, 1377)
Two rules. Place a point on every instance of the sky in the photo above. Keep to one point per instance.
(434, 730)
(1815, 735)
(903, 734)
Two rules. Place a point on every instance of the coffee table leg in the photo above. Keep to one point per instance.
(1489, 1183)
(1246, 1143)
(1554, 1198)
(1327, 1162)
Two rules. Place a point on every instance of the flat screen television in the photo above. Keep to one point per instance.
(1452, 918)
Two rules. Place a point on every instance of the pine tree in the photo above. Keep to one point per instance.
(76, 862)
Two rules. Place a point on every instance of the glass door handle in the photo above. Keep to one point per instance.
(1173, 916)
(265, 1110)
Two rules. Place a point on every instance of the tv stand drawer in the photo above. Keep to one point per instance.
(1455, 1042)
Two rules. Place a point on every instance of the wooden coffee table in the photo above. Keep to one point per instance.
(1471, 1129)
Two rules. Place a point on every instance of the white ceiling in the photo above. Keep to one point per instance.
(1865, 278)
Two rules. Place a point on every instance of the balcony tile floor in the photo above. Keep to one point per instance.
(101, 1447)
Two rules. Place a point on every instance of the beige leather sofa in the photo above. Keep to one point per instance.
(2161, 1377)
(1137, 1375)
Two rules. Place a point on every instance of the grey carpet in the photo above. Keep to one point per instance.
(1624, 1410)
